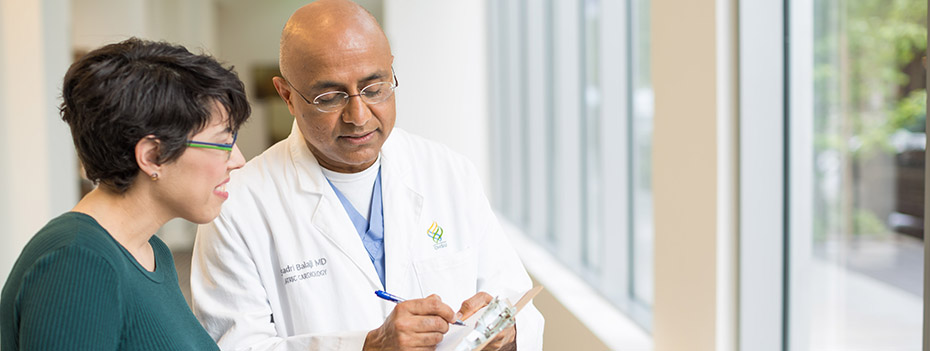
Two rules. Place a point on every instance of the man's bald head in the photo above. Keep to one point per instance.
(328, 26)
(333, 50)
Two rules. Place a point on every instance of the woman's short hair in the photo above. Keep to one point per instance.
(120, 93)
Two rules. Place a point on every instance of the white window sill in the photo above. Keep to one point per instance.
(604, 320)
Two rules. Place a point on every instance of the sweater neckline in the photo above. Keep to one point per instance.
(157, 276)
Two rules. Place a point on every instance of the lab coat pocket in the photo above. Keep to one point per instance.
(452, 276)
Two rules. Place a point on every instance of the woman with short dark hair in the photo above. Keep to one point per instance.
(155, 127)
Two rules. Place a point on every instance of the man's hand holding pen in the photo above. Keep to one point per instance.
(421, 324)
(417, 324)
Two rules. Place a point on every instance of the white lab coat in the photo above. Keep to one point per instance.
(284, 249)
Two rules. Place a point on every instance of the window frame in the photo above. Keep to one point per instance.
(762, 202)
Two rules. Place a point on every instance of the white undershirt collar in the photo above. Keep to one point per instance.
(356, 187)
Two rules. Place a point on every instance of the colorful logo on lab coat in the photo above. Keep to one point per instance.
(435, 232)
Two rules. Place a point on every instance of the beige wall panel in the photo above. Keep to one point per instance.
(685, 166)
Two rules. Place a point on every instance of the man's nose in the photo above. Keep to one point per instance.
(356, 111)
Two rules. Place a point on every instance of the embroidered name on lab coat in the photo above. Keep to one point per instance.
(311, 268)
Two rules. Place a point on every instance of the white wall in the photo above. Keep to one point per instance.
(440, 57)
(186, 22)
(98, 22)
(191, 23)
(37, 160)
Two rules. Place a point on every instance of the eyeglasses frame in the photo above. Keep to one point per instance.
(315, 104)
(216, 146)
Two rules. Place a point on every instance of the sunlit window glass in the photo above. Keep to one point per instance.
(864, 290)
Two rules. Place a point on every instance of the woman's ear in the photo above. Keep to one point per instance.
(148, 150)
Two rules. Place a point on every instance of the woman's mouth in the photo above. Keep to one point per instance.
(220, 190)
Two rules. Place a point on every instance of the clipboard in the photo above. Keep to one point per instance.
(487, 323)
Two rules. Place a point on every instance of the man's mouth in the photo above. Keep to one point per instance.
(358, 138)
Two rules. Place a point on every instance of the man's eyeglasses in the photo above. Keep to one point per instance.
(225, 147)
(371, 94)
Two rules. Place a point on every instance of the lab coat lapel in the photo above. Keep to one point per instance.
(402, 208)
(329, 216)
(331, 220)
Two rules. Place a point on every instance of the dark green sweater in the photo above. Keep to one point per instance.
(75, 288)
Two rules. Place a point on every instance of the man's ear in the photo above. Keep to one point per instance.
(148, 150)
(284, 91)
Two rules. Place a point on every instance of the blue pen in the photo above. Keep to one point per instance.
(397, 299)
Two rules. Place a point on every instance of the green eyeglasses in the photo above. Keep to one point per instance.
(225, 147)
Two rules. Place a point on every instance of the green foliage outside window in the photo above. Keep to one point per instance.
(868, 86)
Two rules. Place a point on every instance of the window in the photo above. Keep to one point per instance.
(571, 110)
(833, 138)
(862, 244)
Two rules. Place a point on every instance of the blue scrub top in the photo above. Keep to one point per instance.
(371, 231)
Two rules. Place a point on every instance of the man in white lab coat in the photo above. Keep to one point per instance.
(345, 206)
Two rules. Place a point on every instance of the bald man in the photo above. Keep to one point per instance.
(348, 205)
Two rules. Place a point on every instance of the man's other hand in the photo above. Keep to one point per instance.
(505, 340)
(412, 325)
